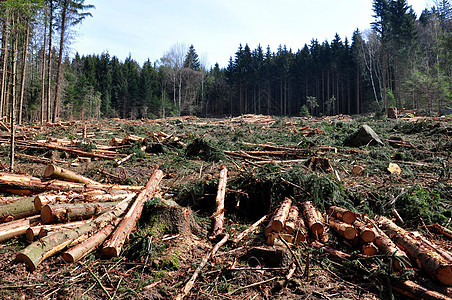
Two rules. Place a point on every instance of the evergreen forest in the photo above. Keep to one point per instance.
(402, 61)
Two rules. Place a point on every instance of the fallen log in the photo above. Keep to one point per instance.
(17, 227)
(342, 214)
(40, 231)
(66, 212)
(17, 210)
(313, 218)
(369, 249)
(250, 229)
(39, 250)
(440, 229)
(343, 229)
(413, 290)
(273, 236)
(430, 261)
(55, 172)
(280, 216)
(292, 220)
(432, 246)
(366, 232)
(219, 201)
(86, 247)
(113, 246)
(386, 245)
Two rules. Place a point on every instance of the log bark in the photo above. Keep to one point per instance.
(17, 227)
(313, 218)
(292, 220)
(431, 245)
(36, 252)
(342, 214)
(272, 237)
(343, 229)
(56, 172)
(280, 216)
(91, 196)
(386, 245)
(58, 213)
(249, 229)
(366, 232)
(113, 246)
(441, 229)
(369, 249)
(86, 247)
(415, 291)
(430, 261)
(40, 231)
(16, 210)
(219, 201)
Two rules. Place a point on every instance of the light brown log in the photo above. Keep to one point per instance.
(17, 210)
(250, 229)
(369, 249)
(39, 250)
(280, 216)
(113, 245)
(386, 245)
(366, 233)
(313, 218)
(430, 261)
(272, 237)
(268, 229)
(418, 236)
(292, 220)
(40, 231)
(342, 214)
(82, 249)
(415, 291)
(441, 229)
(56, 172)
(343, 229)
(66, 212)
(17, 227)
(218, 218)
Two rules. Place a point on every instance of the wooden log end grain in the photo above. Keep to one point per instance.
(27, 261)
(110, 252)
(444, 274)
(369, 249)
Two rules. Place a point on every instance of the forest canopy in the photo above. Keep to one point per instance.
(403, 61)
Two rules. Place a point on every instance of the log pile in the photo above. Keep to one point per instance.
(79, 220)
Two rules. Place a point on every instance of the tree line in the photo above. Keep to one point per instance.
(402, 61)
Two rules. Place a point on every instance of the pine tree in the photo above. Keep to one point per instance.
(191, 59)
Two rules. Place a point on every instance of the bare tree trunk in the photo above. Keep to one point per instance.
(24, 71)
(5, 37)
(60, 58)
(49, 70)
(43, 73)
(13, 106)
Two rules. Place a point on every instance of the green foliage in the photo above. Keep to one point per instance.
(205, 150)
(304, 111)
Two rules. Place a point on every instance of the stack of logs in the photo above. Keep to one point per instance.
(373, 236)
(88, 215)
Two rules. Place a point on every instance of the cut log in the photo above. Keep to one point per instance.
(440, 229)
(272, 237)
(249, 229)
(386, 245)
(56, 172)
(219, 201)
(415, 291)
(366, 232)
(16, 210)
(342, 214)
(280, 216)
(54, 213)
(343, 229)
(430, 261)
(36, 252)
(369, 249)
(113, 246)
(432, 246)
(41, 231)
(17, 227)
(313, 218)
(84, 248)
(292, 220)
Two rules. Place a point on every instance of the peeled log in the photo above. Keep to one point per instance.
(279, 219)
(17, 227)
(56, 172)
(415, 291)
(366, 233)
(313, 218)
(36, 252)
(386, 245)
(113, 246)
(65, 212)
(219, 201)
(343, 229)
(342, 214)
(16, 210)
(292, 220)
(430, 261)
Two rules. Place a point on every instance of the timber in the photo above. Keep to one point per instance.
(280, 216)
(313, 218)
(250, 229)
(342, 214)
(441, 229)
(437, 266)
(17, 227)
(369, 249)
(413, 290)
(56, 172)
(17, 210)
(386, 245)
(343, 229)
(366, 232)
(42, 230)
(292, 220)
(65, 212)
(113, 246)
(219, 201)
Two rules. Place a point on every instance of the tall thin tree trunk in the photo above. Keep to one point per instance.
(24, 71)
(60, 59)
(49, 58)
(13, 106)
(43, 73)
(5, 37)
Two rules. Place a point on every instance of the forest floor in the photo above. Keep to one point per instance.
(158, 260)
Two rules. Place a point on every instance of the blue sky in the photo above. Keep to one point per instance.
(148, 28)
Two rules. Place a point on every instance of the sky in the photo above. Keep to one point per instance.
(146, 29)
